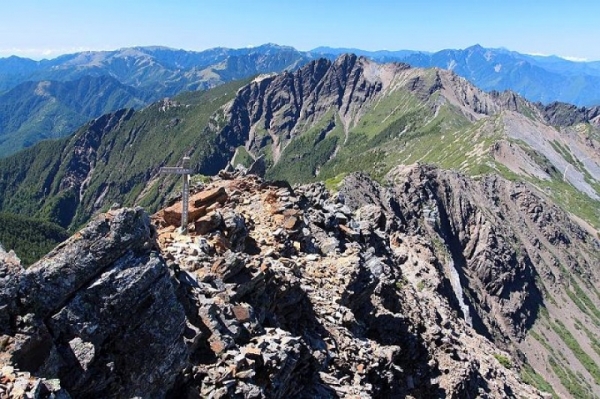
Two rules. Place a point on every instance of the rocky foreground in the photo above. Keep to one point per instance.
(276, 292)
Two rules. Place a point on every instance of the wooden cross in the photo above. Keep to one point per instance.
(186, 172)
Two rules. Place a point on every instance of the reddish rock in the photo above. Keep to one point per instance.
(172, 215)
(241, 313)
(195, 213)
(217, 346)
(209, 196)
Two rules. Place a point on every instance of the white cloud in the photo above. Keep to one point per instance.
(568, 58)
(39, 53)
(575, 59)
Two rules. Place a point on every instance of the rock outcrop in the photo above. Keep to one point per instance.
(100, 313)
(276, 109)
(415, 289)
(304, 296)
(506, 259)
(563, 114)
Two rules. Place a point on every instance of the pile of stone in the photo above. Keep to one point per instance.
(301, 295)
(9, 258)
(21, 384)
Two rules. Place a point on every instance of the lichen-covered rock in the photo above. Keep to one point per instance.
(10, 276)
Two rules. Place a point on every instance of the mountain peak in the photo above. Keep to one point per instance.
(259, 276)
(476, 47)
(346, 59)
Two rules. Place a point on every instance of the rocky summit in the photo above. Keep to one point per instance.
(408, 289)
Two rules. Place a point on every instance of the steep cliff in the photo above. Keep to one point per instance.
(516, 268)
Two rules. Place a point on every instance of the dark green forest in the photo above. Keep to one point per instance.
(29, 238)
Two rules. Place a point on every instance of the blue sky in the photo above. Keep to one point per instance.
(45, 29)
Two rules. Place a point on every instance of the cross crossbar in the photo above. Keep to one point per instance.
(177, 170)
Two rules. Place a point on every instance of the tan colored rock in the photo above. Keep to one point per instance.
(292, 212)
(348, 232)
(290, 222)
(241, 313)
(209, 196)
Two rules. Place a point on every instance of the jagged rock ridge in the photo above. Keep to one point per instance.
(330, 118)
(280, 291)
(100, 313)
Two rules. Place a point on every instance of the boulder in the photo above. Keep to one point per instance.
(100, 312)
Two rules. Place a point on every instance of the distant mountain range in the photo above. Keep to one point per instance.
(515, 263)
(537, 78)
(86, 85)
(159, 70)
(51, 98)
(33, 111)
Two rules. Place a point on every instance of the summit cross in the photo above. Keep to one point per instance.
(185, 194)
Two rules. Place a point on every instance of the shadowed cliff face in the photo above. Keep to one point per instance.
(276, 109)
(491, 279)
(563, 114)
(512, 264)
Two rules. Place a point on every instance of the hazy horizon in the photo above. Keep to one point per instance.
(47, 30)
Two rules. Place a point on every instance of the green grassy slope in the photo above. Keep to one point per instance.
(403, 129)
(34, 111)
(125, 160)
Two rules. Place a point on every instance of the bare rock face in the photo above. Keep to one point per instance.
(100, 312)
(563, 114)
(504, 257)
(306, 294)
(480, 248)
(477, 249)
(415, 289)
(10, 273)
(275, 109)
